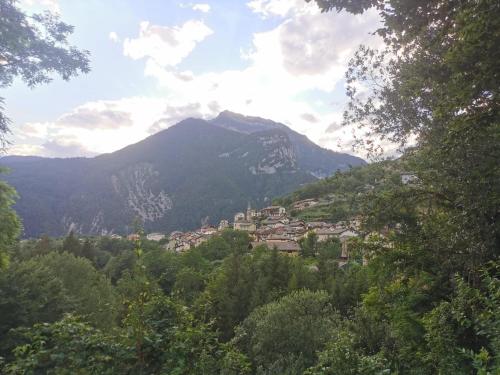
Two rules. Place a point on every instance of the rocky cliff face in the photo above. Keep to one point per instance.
(139, 187)
(278, 154)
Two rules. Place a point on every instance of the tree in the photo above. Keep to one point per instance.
(72, 244)
(43, 246)
(88, 250)
(9, 222)
(308, 245)
(188, 284)
(69, 346)
(29, 293)
(34, 47)
(438, 80)
(284, 336)
(90, 293)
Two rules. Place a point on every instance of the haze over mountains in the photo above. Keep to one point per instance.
(194, 172)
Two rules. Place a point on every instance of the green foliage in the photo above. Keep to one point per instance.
(89, 292)
(29, 293)
(72, 245)
(9, 222)
(34, 47)
(341, 357)
(119, 264)
(246, 282)
(69, 346)
(342, 196)
(286, 334)
(188, 284)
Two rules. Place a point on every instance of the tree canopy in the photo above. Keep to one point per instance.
(34, 48)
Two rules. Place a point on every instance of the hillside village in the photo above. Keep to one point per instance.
(276, 227)
(271, 226)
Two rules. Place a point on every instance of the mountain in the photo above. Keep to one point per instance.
(318, 161)
(194, 172)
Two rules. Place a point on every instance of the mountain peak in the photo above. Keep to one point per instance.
(244, 124)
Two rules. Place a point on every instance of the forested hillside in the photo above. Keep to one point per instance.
(345, 194)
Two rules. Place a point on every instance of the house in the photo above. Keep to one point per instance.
(316, 224)
(274, 223)
(303, 204)
(247, 226)
(155, 236)
(182, 246)
(287, 247)
(223, 224)
(324, 234)
(240, 216)
(208, 230)
(175, 234)
(273, 211)
(133, 237)
(297, 224)
(252, 214)
(278, 237)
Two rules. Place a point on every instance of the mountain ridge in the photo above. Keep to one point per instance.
(193, 171)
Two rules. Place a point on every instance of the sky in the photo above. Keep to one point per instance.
(157, 62)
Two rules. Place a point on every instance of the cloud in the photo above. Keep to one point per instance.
(104, 126)
(290, 73)
(93, 118)
(51, 5)
(316, 43)
(65, 146)
(113, 36)
(334, 126)
(25, 149)
(166, 45)
(281, 8)
(174, 114)
(205, 8)
(309, 117)
(306, 53)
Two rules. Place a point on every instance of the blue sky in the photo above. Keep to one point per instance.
(156, 62)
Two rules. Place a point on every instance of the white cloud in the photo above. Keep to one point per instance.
(113, 36)
(36, 5)
(25, 149)
(175, 113)
(281, 8)
(103, 126)
(100, 116)
(204, 8)
(65, 146)
(165, 45)
(307, 52)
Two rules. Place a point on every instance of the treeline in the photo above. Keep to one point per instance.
(146, 310)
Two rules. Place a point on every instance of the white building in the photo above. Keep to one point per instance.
(223, 224)
(240, 216)
(155, 236)
(247, 226)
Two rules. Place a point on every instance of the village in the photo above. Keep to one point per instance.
(271, 226)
